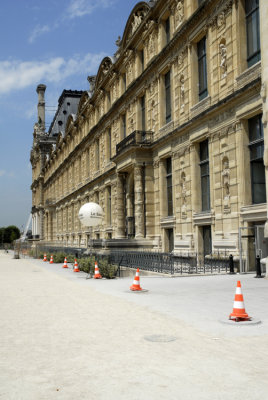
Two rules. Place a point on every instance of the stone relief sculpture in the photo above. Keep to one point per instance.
(151, 46)
(226, 183)
(223, 59)
(220, 20)
(153, 115)
(179, 13)
(183, 195)
(137, 20)
(130, 70)
(182, 94)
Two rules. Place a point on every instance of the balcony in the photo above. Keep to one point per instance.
(136, 138)
(50, 202)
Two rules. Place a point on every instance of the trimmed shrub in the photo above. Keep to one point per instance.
(107, 270)
(58, 257)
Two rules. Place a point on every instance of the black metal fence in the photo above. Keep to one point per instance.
(166, 263)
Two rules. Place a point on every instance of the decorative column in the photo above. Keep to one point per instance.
(195, 180)
(139, 206)
(120, 232)
(242, 165)
(37, 224)
(33, 225)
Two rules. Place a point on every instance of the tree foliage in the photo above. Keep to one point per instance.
(9, 234)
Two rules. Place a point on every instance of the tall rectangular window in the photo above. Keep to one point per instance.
(253, 31)
(97, 154)
(257, 169)
(124, 80)
(202, 68)
(169, 187)
(204, 170)
(207, 243)
(109, 206)
(109, 144)
(168, 97)
(167, 29)
(142, 60)
(143, 117)
(124, 126)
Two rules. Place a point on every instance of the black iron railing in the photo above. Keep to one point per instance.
(184, 263)
(135, 138)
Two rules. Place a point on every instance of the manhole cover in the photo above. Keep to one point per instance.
(160, 338)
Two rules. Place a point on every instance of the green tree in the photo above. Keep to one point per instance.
(9, 234)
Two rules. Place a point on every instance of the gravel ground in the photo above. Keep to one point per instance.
(65, 337)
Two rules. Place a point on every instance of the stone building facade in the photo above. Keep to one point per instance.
(169, 139)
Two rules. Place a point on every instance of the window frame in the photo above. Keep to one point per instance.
(202, 68)
(204, 176)
(256, 150)
(250, 14)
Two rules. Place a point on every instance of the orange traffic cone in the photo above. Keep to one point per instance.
(65, 263)
(136, 282)
(97, 274)
(45, 257)
(76, 268)
(239, 312)
(51, 259)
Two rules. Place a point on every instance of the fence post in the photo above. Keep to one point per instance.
(231, 264)
(258, 267)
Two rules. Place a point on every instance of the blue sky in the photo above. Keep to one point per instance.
(55, 42)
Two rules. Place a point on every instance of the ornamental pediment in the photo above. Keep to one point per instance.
(134, 21)
(104, 68)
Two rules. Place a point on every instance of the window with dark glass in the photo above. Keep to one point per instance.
(253, 31)
(109, 144)
(204, 170)
(202, 68)
(170, 240)
(167, 29)
(143, 117)
(168, 97)
(124, 126)
(124, 79)
(207, 243)
(257, 169)
(97, 154)
(142, 60)
(109, 206)
(169, 186)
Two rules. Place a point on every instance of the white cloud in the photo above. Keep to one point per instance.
(17, 74)
(75, 9)
(39, 30)
(5, 173)
(79, 8)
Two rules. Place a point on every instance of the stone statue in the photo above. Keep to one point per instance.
(223, 62)
(226, 184)
(179, 13)
(182, 92)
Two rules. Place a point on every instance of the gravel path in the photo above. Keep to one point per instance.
(64, 337)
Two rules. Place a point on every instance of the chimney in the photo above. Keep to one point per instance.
(41, 106)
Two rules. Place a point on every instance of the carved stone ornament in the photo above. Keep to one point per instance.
(151, 46)
(226, 184)
(182, 94)
(138, 17)
(179, 13)
(223, 60)
(221, 20)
